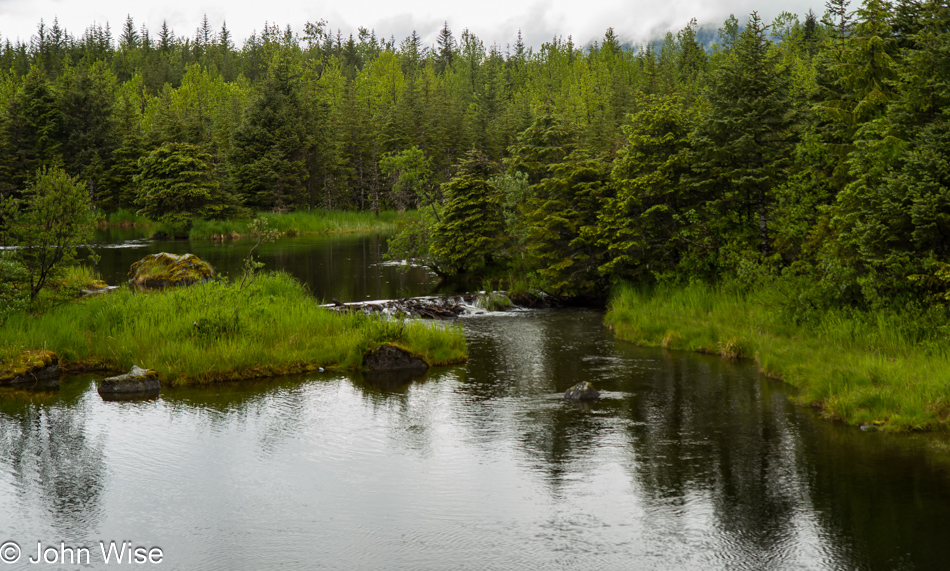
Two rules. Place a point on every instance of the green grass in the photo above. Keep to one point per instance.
(217, 331)
(879, 369)
(124, 218)
(302, 222)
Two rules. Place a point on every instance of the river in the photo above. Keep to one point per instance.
(687, 462)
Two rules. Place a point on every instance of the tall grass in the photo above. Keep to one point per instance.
(302, 222)
(877, 369)
(218, 331)
(124, 218)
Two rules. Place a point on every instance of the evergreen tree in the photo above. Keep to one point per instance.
(639, 229)
(88, 135)
(546, 142)
(177, 184)
(466, 240)
(268, 157)
(743, 142)
(32, 127)
(445, 49)
(561, 222)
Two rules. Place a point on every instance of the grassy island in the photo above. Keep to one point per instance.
(865, 368)
(217, 331)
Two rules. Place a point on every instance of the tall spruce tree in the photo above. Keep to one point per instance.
(639, 228)
(177, 184)
(268, 156)
(466, 241)
(743, 142)
(32, 129)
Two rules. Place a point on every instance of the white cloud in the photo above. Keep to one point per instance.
(494, 21)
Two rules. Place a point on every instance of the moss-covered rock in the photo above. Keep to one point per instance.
(164, 269)
(35, 368)
(137, 382)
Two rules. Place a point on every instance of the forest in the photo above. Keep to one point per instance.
(811, 151)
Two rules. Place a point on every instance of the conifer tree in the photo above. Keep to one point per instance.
(466, 240)
(32, 127)
(177, 184)
(268, 157)
(638, 229)
(743, 142)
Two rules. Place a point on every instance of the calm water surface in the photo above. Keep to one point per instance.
(688, 462)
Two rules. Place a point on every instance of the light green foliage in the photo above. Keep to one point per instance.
(14, 297)
(561, 222)
(259, 231)
(47, 226)
(177, 184)
(412, 171)
(302, 222)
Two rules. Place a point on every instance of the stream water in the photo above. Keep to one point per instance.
(688, 462)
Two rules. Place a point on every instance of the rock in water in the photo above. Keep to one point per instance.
(582, 392)
(391, 358)
(164, 269)
(33, 369)
(138, 382)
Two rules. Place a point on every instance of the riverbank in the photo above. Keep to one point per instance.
(287, 224)
(217, 331)
(866, 369)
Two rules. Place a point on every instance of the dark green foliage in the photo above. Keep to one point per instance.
(31, 129)
(466, 239)
(816, 159)
(176, 185)
(88, 133)
(743, 143)
(268, 159)
(640, 229)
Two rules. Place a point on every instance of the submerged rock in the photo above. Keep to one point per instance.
(33, 369)
(391, 358)
(164, 269)
(137, 382)
(582, 392)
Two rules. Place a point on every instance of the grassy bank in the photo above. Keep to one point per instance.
(217, 332)
(869, 369)
(288, 224)
(124, 218)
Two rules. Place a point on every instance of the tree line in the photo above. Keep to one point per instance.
(812, 150)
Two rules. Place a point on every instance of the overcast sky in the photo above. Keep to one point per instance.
(494, 21)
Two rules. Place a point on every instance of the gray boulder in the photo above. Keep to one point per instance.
(137, 382)
(582, 392)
